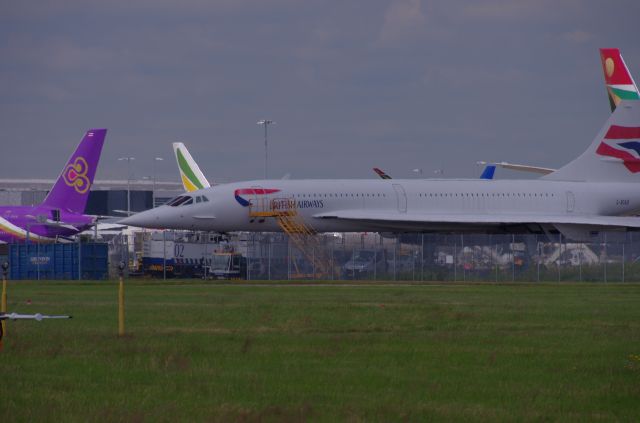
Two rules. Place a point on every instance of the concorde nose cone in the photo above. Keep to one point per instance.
(145, 219)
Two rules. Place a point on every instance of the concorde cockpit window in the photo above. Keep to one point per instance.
(198, 199)
(204, 199)
(177, 201)
(182, 200)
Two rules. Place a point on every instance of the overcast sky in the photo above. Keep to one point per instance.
(398, 84)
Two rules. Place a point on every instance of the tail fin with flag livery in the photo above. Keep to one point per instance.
(620, 84)
(614, 155)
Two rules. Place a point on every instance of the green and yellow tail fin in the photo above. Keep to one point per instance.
(190, 174)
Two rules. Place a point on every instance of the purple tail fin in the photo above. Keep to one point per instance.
(71, 189)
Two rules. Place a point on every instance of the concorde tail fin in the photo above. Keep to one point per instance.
(614, 154)
(618, 79)
(71, 190)
(192, 177)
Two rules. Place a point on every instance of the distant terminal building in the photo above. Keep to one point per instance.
(105, 197)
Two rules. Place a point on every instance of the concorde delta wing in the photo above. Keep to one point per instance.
(574, 227)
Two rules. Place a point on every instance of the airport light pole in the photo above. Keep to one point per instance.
(265, 123)
(153, 190)
(128, 159)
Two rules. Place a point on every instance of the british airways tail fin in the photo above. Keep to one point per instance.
(192, 177)
(614, 154)
(71, 190)
(381, 173)
(620, 84)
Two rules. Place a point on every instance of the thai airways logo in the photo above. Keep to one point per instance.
(252, 192)
(75, 175)
(623, 143)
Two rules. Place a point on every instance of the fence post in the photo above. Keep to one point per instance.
(624, 242)
(513, 259)
(455, 260)
(539, 246)
(288, 258)
(121, 300)
(422, 259)
(559, 254)
(580, 261)
(495, 260)
(269, 255)
(464, 270)
(395, 260)
(79, 259)
(375, 264)
(3, 304)
(164, 255)
(605, 257)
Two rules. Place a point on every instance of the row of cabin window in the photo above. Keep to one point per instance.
(517, 194)
(340, 195)
(185, 200)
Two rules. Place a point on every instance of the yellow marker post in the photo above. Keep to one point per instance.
(121, 301)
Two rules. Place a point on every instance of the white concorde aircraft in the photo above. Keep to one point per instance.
(599, 190)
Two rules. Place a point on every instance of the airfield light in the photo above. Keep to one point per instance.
(265, 123)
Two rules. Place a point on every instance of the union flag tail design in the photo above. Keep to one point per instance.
(71, 189)
(623, 143)
(614, 154)
(620, 84)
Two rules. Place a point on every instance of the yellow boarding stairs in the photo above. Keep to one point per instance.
(304, 237)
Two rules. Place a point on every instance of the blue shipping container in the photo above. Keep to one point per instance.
(59, 261)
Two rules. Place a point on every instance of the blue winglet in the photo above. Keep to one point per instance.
(488, 172)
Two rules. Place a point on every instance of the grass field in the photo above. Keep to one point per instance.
(205, 352)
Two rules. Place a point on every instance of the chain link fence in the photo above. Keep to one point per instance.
(608, 257)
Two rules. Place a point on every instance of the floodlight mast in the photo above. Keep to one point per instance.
(153, 191)
(265, 123)
(128, 159)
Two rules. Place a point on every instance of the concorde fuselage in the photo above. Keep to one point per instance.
(227, 207)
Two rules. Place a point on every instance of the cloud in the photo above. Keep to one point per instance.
(578, 36)
(508, 9)
(56, 53)
(404, 21)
